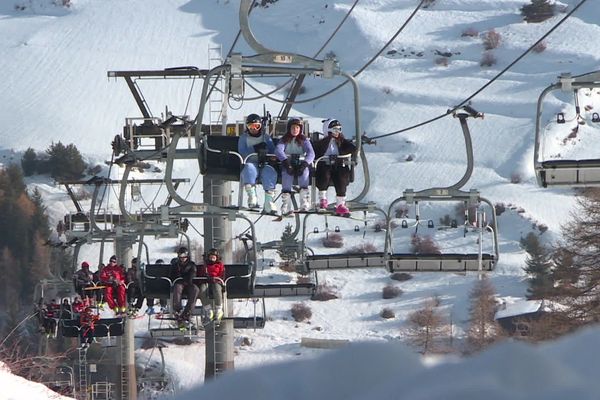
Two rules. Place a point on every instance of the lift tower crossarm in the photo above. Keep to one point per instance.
(129, 76)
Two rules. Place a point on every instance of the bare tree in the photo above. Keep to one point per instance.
(577, 262)
(427, 326)
(483, 328)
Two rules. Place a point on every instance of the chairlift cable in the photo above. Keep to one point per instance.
(481, 89)
(189, 96)
(278, 88)
(192, 187)
(410, 17)
(194, 228)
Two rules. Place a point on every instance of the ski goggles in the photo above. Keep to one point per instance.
(254, 125)
(336, 129)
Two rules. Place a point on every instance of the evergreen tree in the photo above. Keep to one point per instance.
(538, 11)
(65, 162)
(39, 220)
(538, 267)
(289, 250)
(29, 162)
(483, 328)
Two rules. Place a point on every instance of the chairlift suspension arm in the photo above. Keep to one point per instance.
(73, 198)
(577, 108)
(137, 95)
(462, 117)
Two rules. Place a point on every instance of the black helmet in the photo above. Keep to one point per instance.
(253, 118)
(183, 252)
(134, 260)
(213, 252)
(294, 121)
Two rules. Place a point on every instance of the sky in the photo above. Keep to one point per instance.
(56, 60)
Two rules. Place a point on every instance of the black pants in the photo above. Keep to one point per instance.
(338, 174)
(134, 294)
(191, 292)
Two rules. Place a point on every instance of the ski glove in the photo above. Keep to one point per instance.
(303, 166)
(287, 167)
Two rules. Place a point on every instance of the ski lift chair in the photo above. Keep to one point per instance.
(316, 262)
(451, 262)
(565, 172)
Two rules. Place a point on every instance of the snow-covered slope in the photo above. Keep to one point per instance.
(55, 60)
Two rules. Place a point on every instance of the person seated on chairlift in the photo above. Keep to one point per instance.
(334, 169)
(134, 293)
(87, 326)
(113, 277)
(82, 279)
(78, 305)
(214, 272)
(51, 314)
(290, 148)
(183, 271)
(65, 310)
(256, 139)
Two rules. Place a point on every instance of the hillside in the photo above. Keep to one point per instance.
(56, 59)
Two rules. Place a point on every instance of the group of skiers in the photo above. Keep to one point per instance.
(198, 281)
(113, 285)
(295, 154)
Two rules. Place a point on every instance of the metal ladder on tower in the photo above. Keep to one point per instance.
(82, 393)
(124, 368)
(217, 108)
(218, 343)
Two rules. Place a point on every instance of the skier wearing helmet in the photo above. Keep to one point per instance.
(183, 271)
(332, 168)
(292, 147)
(255, 139)
(215, 275)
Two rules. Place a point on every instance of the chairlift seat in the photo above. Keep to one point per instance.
(343, 261)
(103, 328)
(284, 289)
(155, 282)
(440, 262)
(172, 332)
(248, 322)
(569, 172)
(225, 165)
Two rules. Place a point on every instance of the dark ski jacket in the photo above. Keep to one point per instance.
(186, 271)
(345, 146)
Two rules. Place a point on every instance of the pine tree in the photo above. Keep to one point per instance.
(289, 250)
(65, 162)
(29, 162)
(538, 11)
(483, 328)
(538, 267)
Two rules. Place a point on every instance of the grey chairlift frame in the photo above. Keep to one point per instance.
(446, 262)
(318, 262)
(565, 172)
(453, 262)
